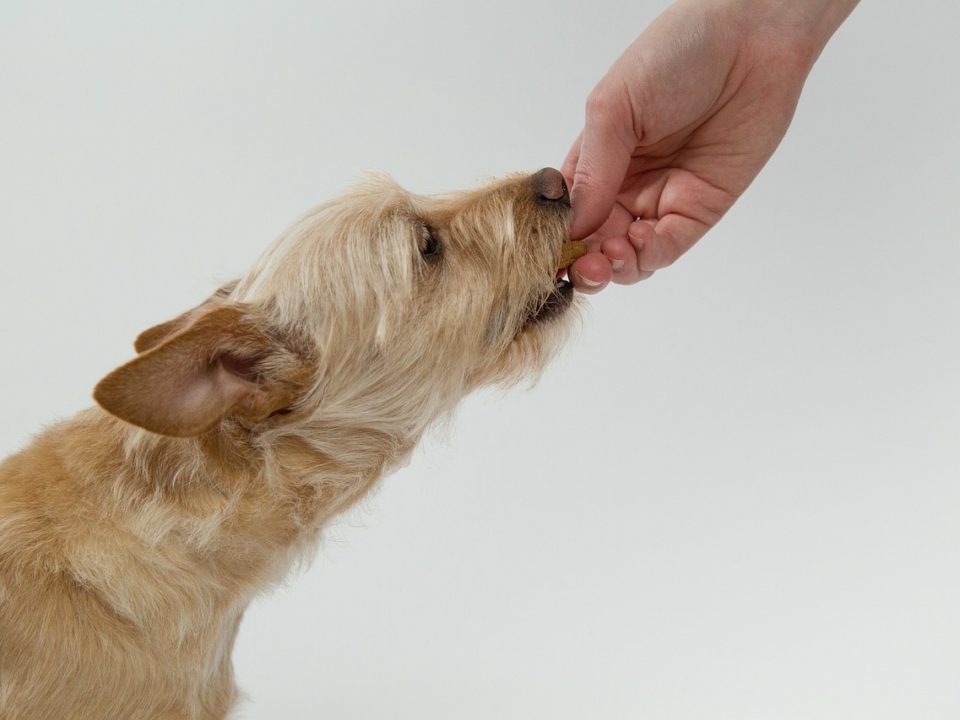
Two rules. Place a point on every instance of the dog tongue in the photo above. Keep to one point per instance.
(571, 251)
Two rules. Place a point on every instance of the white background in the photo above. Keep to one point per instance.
(737, 493)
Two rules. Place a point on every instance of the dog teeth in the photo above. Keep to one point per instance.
(571, 251)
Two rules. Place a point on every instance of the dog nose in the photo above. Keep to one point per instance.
(549, 186)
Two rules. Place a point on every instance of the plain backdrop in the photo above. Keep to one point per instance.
(736, 494)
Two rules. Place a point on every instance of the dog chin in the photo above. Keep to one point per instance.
(538, 340)
(555, 304)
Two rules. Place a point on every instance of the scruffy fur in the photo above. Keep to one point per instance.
(134, 535)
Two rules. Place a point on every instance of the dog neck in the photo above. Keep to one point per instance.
(203, 523)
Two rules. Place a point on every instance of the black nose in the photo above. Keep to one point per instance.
(549, 186)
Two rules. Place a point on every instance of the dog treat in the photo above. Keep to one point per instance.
(571, 251)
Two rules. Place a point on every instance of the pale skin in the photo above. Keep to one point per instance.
(682, 123)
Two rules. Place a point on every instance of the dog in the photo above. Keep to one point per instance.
(134, 535)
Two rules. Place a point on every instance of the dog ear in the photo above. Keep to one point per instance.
(224, 362)
(151, 337)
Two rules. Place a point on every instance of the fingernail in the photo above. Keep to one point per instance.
(617, 265)
(587, 282)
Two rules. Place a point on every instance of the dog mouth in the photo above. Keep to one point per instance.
(553, 304)
(561, 297)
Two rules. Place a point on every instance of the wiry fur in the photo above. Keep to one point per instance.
(127, 557)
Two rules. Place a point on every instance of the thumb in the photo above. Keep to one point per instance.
(606, 145)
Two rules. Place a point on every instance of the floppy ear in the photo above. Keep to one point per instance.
(152, 337)
(224, 362)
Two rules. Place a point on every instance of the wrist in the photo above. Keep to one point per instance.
(800, 26)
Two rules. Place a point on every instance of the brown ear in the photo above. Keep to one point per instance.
(223, 363)
(152, 337)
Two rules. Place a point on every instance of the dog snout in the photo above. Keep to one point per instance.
(550, 187)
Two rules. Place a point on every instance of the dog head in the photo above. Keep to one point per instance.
(379, 309)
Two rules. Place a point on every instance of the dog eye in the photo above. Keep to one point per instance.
(431, 244)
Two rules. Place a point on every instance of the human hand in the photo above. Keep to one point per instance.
(682, 123)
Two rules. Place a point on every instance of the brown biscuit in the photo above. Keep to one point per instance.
(571, 251)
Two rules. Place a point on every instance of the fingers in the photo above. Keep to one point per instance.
(591, 273)
(659, 243)
(650, 245)
(617, 262)
(599, 158)
(569, 167)
(623, 261)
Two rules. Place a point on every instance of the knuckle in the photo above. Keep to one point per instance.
(583, 177)
(668, 253)
(601, 103)
(610, 109)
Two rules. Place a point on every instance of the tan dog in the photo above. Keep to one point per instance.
(133, 537)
